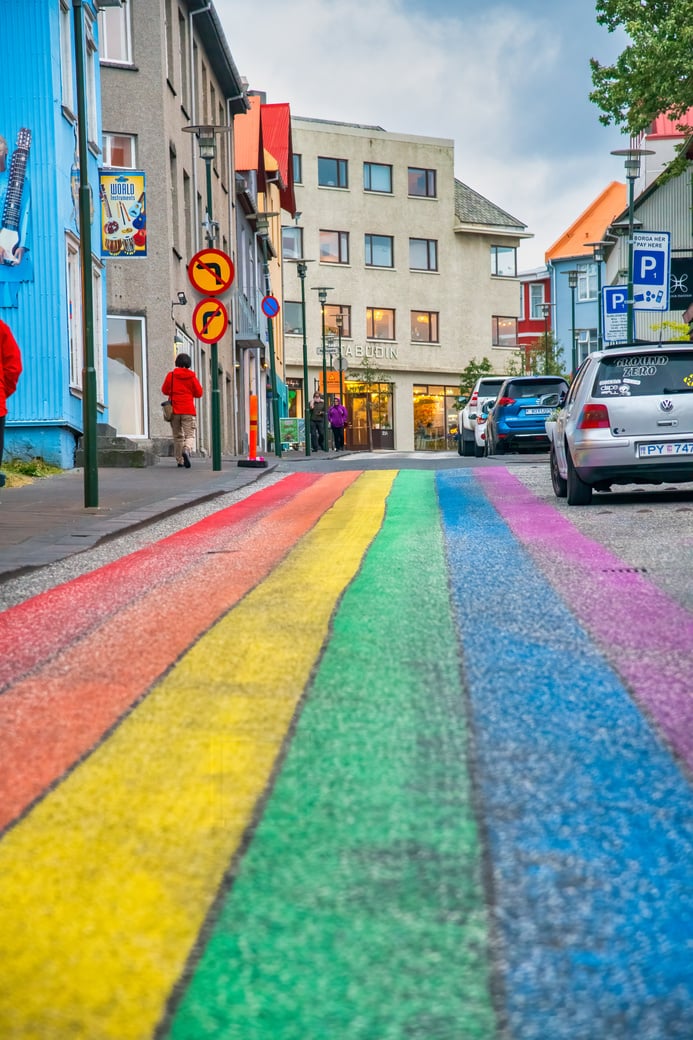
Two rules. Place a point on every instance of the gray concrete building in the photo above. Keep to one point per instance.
(419, 268)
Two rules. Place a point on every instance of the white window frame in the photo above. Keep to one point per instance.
(73, 277)
(587, 282)
(107, 160)
(497, 269)
(116, 23)
(90, 77)
(67, 61)
(537, 296)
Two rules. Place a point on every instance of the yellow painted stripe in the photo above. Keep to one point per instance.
(104, 887)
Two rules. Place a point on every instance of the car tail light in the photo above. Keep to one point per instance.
(502, 401)
(594, 417)
(473, 399)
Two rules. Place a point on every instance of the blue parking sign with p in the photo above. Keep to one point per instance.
(651, 264)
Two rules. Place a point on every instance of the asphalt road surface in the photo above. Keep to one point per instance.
(382, 748)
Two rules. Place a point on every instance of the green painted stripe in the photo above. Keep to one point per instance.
(358, 909)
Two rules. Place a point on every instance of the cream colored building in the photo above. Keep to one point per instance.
(421, 268)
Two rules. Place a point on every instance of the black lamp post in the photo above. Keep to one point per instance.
(91, 471)
(302, 271)
(339, 321)
(632, 157)
(322, 291)
(262, 229)
(207, 141)
(546, 310)
(599, 257)
(572, 282)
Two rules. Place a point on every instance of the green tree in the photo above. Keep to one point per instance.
(468, 377)
(654, 74)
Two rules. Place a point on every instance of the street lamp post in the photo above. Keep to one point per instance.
(339, 321)
(302, 271)
(207, 141)
(262, 229)
(572, 282)
(632, 157)
(546, 310)
(89, 447)
(322, 291)
(599, 256)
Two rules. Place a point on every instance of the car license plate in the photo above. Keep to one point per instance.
(656, 451)
(537, 411)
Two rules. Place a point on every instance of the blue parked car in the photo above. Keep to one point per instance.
(517, 418)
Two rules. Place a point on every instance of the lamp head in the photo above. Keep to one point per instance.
(182, 299)
(572, 279)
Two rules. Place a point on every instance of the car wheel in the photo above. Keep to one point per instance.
(478, 451)
(488, 446)
(560, 486)
(577, 492)
(467, 448)
(460, 450)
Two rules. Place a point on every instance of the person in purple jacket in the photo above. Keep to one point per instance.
(337, 417)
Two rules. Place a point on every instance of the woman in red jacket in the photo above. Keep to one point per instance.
(10, 371)
(182, 387)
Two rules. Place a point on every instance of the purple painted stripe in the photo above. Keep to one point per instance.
(645, 635)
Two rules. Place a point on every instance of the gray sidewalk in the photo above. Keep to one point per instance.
(47, 520)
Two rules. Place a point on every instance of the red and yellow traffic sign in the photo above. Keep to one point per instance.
(211, 271)
(210, 320)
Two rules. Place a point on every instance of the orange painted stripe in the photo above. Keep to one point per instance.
(86, 600)
(57, 714)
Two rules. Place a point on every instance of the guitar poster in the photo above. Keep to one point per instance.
(15, 204)
(123, 215)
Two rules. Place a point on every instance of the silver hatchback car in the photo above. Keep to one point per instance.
(627, 419)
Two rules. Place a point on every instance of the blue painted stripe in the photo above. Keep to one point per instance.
(588, 816)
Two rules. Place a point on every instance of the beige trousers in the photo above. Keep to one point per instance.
(183, 428)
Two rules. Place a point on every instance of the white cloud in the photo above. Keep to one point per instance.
(501, 82)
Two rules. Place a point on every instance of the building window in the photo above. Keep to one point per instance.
(422, 182)
(90, 80)
(127, 374)
(66, 59)
(587, 282)
(423, 254)
(115, 34)
(298, 168)
(74, 303)
(377, 177)
(504, 261)
(333, 173)
(380, 323)
(587, 342)
(292, 243)
(119, 151)
(293, 318)
(536, 299)
(331, 312)
(334, 247)
(504, 332)
(424, 326)
(380, 251)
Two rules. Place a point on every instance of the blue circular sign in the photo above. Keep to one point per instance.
(270, 306)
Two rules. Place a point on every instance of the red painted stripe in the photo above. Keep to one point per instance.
(35, 630)
(54, 716)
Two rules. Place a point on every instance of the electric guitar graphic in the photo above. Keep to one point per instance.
(9, 231)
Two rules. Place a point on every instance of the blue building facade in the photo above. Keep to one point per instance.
(40, 274)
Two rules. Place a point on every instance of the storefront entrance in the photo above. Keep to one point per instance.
(435, 417)
(370, 418)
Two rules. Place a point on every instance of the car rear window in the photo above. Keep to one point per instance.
(538, 389)
(639, 375)
(488, 387)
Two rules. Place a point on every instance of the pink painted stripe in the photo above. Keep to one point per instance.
(645, 635)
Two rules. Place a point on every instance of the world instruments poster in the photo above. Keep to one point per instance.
(123, 214)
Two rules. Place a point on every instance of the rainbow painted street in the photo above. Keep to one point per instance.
(305, 771)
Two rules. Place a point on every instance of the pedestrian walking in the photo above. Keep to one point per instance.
(317, 422)
(338, 417)
(10, 371)
(182, 387)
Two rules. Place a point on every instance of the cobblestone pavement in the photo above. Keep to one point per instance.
(364, 755)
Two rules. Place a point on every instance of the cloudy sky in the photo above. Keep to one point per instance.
(508, 82)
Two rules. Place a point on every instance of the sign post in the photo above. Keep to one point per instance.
(615, 313)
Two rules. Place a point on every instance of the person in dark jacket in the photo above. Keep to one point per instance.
(10, 371)
(317, 422)
(182, 386)
(337, 418)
